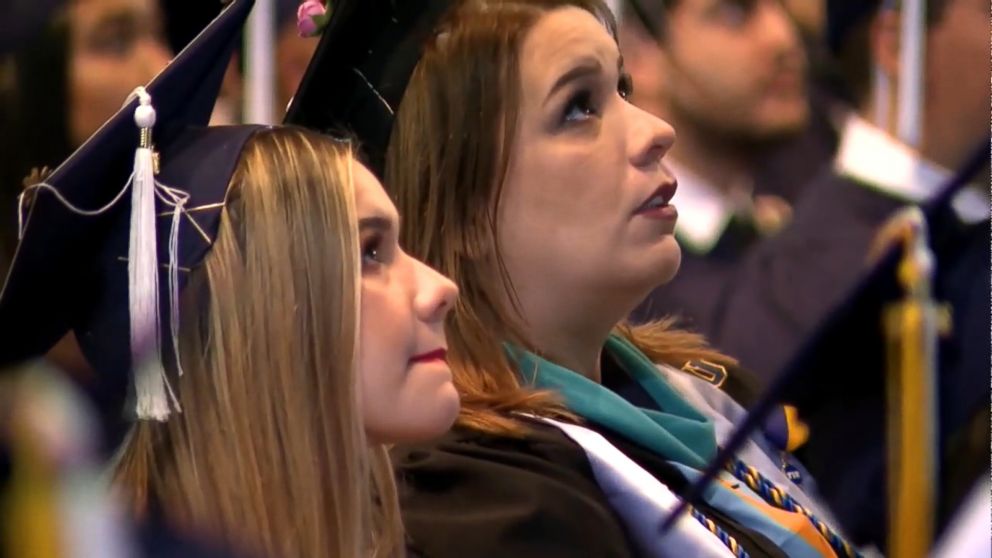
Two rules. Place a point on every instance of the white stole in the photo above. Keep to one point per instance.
(642, 502)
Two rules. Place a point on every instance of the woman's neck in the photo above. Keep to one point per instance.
(569, 325)
(574, 342)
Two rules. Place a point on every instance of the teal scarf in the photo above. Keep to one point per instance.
(678, 432)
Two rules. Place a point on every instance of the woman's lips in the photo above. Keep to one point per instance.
(432, 356)
(659, 198)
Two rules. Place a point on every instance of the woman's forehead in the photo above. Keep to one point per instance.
(370, 196)
(563, 36)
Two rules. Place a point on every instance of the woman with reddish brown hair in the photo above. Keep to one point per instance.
(522, 172)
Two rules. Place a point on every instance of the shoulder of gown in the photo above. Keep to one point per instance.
(481, 495)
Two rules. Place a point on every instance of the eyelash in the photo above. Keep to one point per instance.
(579, 106)
(625, 86)
(371, 252)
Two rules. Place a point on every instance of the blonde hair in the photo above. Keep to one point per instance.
(445, 166)
(269, 452)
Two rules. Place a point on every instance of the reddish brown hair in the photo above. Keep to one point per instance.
(445, 167)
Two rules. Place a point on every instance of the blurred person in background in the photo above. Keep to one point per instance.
(53, 497)
(791, 281)
(730, 76)
(293, 53)
(60, 85)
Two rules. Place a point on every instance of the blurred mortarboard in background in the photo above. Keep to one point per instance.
(360, 70)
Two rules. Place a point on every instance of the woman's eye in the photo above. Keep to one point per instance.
(371, 253)
(735, 13)
(625, 85)
(115, 38)
(579, 107)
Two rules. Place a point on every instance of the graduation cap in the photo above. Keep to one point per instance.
(184, 20)
(867, 381)
(106, 239)
(361, 67)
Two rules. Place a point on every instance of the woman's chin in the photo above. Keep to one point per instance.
(449, 404)
(434, 416)
(653, 269)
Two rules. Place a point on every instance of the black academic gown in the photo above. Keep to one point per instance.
(789, 282)
(696, 294)
(785, 169)
(480, 495)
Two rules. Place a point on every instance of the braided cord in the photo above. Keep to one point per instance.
(781, 499)
(724, 537)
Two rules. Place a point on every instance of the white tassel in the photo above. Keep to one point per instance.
(150, 384)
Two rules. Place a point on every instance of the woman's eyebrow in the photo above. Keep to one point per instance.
(585, 67)
(377, 222)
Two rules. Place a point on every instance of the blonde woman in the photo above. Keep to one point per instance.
(293, 340)
(304, 300)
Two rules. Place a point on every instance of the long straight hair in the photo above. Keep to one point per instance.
(269, 453)
(445, 167)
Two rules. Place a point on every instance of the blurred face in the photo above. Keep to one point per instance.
(584, 209)
(405, 383)
(115, 46)
(809, 15)
(735, 67)
(957, 82)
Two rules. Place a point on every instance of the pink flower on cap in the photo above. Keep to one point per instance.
(310, 17)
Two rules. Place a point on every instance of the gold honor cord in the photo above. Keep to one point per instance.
(911, 327)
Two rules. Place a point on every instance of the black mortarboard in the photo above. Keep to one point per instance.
(71, 270)
(183, 20)
(838, 379)
(360, 70)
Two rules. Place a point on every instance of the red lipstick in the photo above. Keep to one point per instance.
(657, 205)
(435, 355)
(660, 197)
